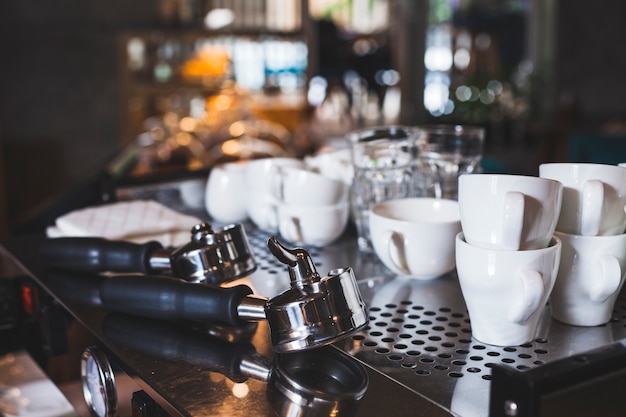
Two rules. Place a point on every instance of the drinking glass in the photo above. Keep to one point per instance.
(444, 153)
(383, 158)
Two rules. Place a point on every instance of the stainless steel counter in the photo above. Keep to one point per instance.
(417, 351)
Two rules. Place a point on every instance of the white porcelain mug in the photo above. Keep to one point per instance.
(506, 291)
(312, 225)
(261, 204)
(590, 278)
(300, 187)
(415, 236)
(594, 197)
(225, 198)
(509, 212)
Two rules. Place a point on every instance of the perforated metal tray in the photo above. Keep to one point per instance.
(419, 332)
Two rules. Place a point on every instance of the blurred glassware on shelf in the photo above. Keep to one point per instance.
(444, 153)
(383, 158)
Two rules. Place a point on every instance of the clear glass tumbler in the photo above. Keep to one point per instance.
(383, 158)
(444, 153)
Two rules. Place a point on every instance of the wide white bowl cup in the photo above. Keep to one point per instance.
(300, 187)
(590, 278)
(594, 197)
(225, 198)
(506, 291)
(414, 237)
(261, 204)
(509, 212)
(312, 225)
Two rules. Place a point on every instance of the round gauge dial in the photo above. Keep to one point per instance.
(98, 383)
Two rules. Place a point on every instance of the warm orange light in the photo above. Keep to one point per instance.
(209, 61)
(231, 147)
(237, 129)
(188, 124)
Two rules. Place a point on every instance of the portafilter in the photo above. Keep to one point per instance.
(317, 382)
(211, 256)
(314, 311)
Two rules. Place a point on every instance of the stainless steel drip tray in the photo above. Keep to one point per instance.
(419, 332)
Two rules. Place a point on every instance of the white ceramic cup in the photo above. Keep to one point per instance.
(261, 204)
(590, 278)
(506, 291)
(312, 225)
(225, 198)
(333, 163)
(509, 212)
(594, 197)
(415, 236)
(300, 187)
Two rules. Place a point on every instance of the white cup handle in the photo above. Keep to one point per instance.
(527, 294)
(276, 184)
(396, 251)
(512, 220)
(269, 213)
(605, 285)
(291, 230)
(591, 210)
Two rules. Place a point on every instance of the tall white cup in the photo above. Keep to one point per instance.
(594, 197)
(509, 212)
(590, 278)
(506, 291)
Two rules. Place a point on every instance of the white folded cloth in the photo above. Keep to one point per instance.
(135, 221)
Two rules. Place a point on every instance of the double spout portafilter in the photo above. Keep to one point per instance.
(314, 311)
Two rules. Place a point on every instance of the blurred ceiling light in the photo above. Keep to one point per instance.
(387, 77)
(438, 58)
(188, 124)
(487, 96)
(237, 129)
(364, 47)
(463, 93)
(462, 58)
(219, 18)
(483, 41)
(463, 39)
(136, 49)
(317, 90)
(495, 86)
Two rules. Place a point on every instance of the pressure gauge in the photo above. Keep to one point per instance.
(98, 383)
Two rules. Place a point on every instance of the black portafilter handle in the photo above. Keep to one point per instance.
(172, 341)
(92, 254)
(174, 299)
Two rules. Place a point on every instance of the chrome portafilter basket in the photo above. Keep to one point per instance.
(211, 256)
(317, 382)
(313, 312)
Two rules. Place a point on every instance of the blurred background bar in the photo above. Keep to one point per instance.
(93, 91)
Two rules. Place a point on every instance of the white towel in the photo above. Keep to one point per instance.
(135, 221)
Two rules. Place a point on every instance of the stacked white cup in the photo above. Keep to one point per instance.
(312, 208)
(507, 255)
(279, 195)
(591, 227)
